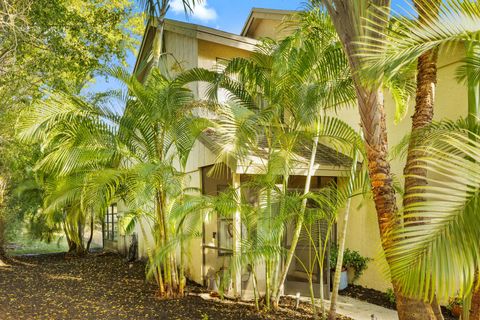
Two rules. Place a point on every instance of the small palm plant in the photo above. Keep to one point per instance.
(279, 100)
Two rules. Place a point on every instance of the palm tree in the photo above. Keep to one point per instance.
(418, 40)
(442, 256)
(424, 110)
(392, 52)
(425, 97)
(353, 21)
(280, 93)
(131, 155)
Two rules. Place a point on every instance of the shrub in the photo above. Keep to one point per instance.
(351, 259)
(391, 296)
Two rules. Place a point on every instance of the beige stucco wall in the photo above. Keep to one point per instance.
(363, 233)
(274, 29)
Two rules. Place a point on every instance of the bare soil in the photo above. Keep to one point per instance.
(104, 286)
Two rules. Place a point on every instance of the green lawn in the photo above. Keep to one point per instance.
(24, 244)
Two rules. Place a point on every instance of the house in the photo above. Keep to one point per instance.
(190, 45)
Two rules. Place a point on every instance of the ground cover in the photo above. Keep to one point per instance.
(104, 286)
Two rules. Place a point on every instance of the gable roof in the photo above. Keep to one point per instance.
(195, 31)
(263, 14)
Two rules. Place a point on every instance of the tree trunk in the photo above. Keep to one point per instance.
(92, 225)
(349, 27)
(422, 117)
(332, 315)
(474, 311)
(299, 222)
(3, 187)
(2, 237)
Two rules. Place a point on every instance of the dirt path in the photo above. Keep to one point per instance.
(100, 287)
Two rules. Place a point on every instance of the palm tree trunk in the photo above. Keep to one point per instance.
(373, 121)
(423, 116)
(299, 223)
(341, 243)
(89, 243)
(474, 312)
(158, 40)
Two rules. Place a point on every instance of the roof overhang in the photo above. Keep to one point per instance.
(200, 32)
(256, 165)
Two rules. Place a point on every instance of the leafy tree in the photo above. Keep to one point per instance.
(59, 44)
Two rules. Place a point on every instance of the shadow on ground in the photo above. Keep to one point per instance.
(100, 286)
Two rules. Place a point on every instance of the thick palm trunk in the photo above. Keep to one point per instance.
(474, 311)
(372, 115)
(422, 117)
(299, 222)
(341, 243)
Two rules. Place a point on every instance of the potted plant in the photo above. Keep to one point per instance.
(455, 306)
(333, 263)
(353, 261)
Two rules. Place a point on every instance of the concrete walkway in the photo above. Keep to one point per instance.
(359, 310)
(349, 307)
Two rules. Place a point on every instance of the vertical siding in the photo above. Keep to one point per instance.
(182, 53)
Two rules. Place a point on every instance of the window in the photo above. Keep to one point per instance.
(110, 225)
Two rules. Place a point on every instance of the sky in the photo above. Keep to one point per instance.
(226, 15)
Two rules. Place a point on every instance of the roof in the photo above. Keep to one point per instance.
(199, 32)
(266, 14)
(327, 159)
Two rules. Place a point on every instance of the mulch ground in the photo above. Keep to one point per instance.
(103, 286)
(380, 298)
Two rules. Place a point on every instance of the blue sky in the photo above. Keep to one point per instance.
(227, 15)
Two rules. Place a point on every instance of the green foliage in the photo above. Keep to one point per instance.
(391, 296)
(446, 247)
(61, 43)
(351, 259)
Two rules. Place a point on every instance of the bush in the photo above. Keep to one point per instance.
(351, 259)
(391, 296)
